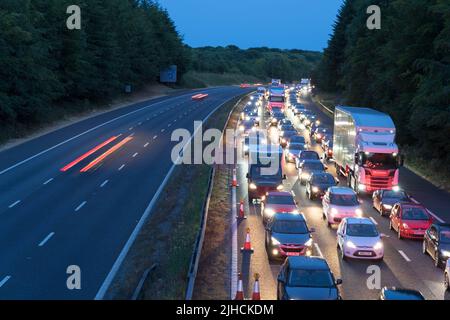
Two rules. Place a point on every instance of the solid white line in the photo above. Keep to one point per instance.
(162, 130)
(104, 183)
(404, 255)
(130, 128)
(5, 279)
(51, 234)
(115, 267)
(134, 155)
(373, 220)
(48, 181)
(154, 138)
(139, 123)
(146, 145)
(88, 131)
(12, 205)
(80, 206)
(121, 167)
(318, 249)
(234, 244)
(169, 125)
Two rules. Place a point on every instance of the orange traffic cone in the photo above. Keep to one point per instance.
(256, 295)
(240, 289)
(241, 214)
(247, 245)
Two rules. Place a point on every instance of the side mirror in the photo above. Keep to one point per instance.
(401, 160)
(284, 177)
(337, 181)
(247, 175)
(326, 168)
(280, 278)
(356, 158)
(338, 282)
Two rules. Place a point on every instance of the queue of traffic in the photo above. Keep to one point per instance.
(361, 146)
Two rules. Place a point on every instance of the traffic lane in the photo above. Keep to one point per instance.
(132, 188)
(34, 174)
(29, 148)
(435, 199)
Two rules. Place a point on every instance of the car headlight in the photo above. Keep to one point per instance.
(358, 212)
(283, 140)
(275, 241)
(252, 186)
(241, 128)
(445, 253)
(405, 226)
(315, 189)
(280, 187)
(333, 211)
(305, 175)
(387, 206)
(395, 188)
(309, 243)
(307, 122)
(247, 118)
(281, 133)
(361, 187)
(378, 245)
(269, 212)
(245, 148)
(350, 244)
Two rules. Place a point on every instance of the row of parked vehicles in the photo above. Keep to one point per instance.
(287, 233)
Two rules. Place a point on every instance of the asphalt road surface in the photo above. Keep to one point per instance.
(404, 265)
(52, 219)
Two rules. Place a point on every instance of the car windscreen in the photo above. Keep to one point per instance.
(309, 155)
(444, 236)
(299, 139)
(316, 166)
(323, 179)
(283, 200)
(276, 99)
(310, 278)
(290, 227)
(361, 230)
(289, 133)
(399, 195)
(379, 161)
(414, 213)
(344, 199)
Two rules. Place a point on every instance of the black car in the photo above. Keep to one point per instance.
(307, 278)
(292, 150)
(400, 294)
(318, 183)
(306, 155)
(286, 135)
(287, 234)
(436, 242)
(318, 133)
(284, 122)
(384, 200)
(298, 109)
(308, 167)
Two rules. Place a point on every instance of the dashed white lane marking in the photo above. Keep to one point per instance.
(374, 221)
(121, 167)
(12, 205)
(162, 130)
(4, 280)
(80, 206)
(169, 125)
(175, 120)
(104, 183)
(134, 155)
(139, 123)
(430, 212)
(318, 249)
(48, 181)
(154, 138)
(404, 255)
(43, 242)
(146, 145)
(148, 119)
(130, 128)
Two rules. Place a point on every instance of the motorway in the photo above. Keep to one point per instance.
(404, 265)
(51, 219)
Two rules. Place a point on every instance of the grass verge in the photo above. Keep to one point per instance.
(168, 236)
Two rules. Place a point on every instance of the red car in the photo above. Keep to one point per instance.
(410, 220)
(277, 202)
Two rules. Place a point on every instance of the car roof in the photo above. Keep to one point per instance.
(358, 220)
(279, 193)
(315, 174)
(401, 294)
(288, 216)
(311, 161)
(342, 190)
(308, 262)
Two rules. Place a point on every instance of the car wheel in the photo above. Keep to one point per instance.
(324, 216)
(424, 247)
(399, 234)
(390, 225)
(437, 261)
(343, 256)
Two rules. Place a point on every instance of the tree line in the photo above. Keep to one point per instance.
(263, 63)
(402, 69)
(44, 66)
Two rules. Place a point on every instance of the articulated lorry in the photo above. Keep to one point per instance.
(364, 149)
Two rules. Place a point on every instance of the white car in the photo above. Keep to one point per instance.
(447, 275)
(339, 203)
(359, 238)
